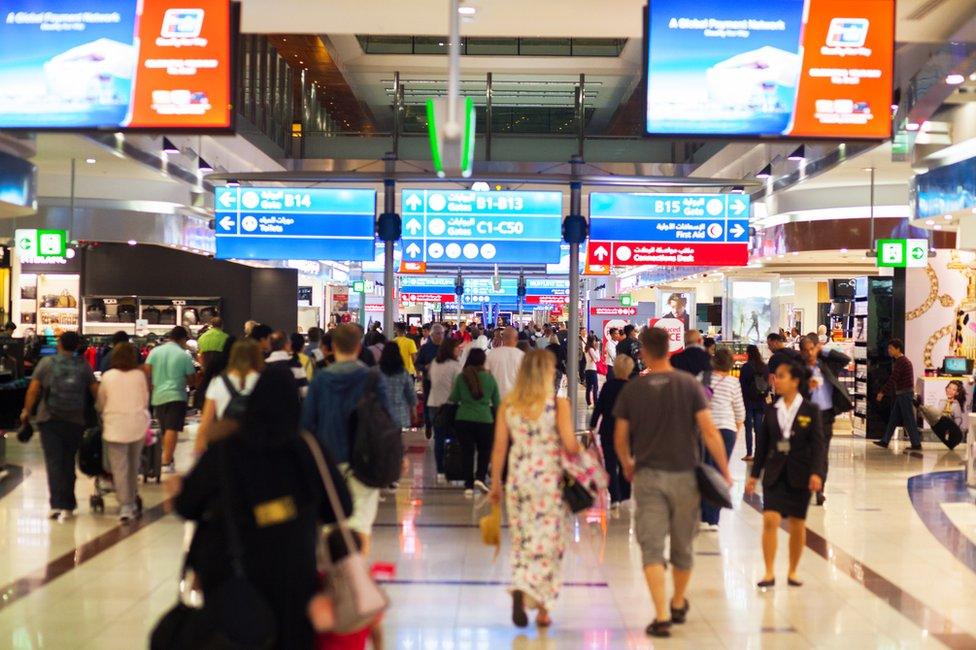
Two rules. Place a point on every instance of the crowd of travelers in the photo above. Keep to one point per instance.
(299, 435)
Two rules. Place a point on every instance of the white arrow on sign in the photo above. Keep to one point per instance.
(737, 230)
(413, 226)
(227, 199)
(738, 206)
(601, 253)
(226, 223)
(413, 201)
(413, 250)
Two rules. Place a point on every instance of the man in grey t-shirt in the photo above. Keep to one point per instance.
(659, 417)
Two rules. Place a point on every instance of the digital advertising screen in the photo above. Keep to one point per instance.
(809, 69)
(116, 64)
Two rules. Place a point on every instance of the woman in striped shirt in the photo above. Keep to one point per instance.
(728, 413)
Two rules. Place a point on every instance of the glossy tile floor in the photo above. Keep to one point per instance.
(884, 568)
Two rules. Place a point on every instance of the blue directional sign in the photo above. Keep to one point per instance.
(669, 218)
(460, 227)
(275, 223)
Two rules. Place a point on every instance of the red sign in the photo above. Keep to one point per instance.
(547, 300)
(676, 332)
(413, 267)
(613, 311)
(373, 308)
(427, 297)
(640, 253)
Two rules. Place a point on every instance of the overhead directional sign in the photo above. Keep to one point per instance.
(668, 229)
(903, 253)
(460, 227)
(274, 223)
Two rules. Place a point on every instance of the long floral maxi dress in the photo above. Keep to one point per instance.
(536, 513)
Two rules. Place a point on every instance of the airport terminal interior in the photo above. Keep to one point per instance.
(607, 325)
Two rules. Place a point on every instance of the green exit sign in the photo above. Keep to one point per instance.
(626, 300)
(903, 253)
(359, 286)
(41, 244)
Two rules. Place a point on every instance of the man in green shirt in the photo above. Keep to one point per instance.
(170, 368)
(211, 343)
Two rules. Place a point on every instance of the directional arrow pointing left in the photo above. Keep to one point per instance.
(227, 223)
(227, 199)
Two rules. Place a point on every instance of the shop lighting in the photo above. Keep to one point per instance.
(480, 186)
(948, 217)
(738, 189)
(799, 155)
(132, 242)
(467, 11)
(843, 250)
(930, 222)
(765, 172)
(911, 126)
(169, 147)
(204, 166)
(90, 161)
(955, 79)
(937, 227)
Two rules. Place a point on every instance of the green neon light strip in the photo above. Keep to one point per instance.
(467, 154)
(435, 151)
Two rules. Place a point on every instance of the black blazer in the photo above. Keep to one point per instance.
(840, 396)
(694, 360)
(604, 407)
(807, 453)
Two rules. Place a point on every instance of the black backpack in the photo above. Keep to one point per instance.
(237, 406)
(376, 449)
(66, 396)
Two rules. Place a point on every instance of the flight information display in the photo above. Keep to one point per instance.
(116, 64)
(771, 68)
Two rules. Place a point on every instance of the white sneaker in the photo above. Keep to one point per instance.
(469, 494)
(481, 486)
(708, 528)
(61, 516)
(169, 468)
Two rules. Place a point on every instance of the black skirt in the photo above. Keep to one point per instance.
(788, 501)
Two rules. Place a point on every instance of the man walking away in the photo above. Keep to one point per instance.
(776, 343)
(170, 370)
(425, 356)
(59, 388)
(331, 401)
(262, 336)
(694, 358)
(313, 349)
(504, 362)
(826, 393)
(901, 385)
(657, 439)
(631, 348)
(211, 343)
(282, 356)
(408, 348)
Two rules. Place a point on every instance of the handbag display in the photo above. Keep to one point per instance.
(356, 598)
(167, 316)
(575, 494)
(151, 314)
(66, 300)
(189, 316)
(712, 485)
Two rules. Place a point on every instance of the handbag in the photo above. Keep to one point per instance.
(712, 486)
(575, 494)
(356, 598)
(587, 467)
(237, 616)
(446, 415)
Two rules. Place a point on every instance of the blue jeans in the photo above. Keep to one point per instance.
(903, 413)
(710, 513)
(754, 420)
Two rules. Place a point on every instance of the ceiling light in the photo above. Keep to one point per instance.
(738, 189)
(796, 252)
(765, 172)
(930, 222)
(937, 227)
(948, 217)
(132, 242)
(90, 161)
(799, 154)
(169, 147)
(843, 250)
(955, 79)
(204, 166)
(480, 186)
(911, 126)
(467, 11)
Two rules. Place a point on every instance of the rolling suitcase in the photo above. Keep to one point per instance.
(151, 463)
(453, 460)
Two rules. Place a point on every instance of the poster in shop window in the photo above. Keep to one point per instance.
(751, 311)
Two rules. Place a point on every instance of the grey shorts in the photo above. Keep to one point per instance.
(668, 503)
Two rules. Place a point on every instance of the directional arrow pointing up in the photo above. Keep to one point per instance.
(413, 250)
(226, 223)
(227, 199)
(413, 226)
(601, 253)
(738, 206)
(413, 201)
(737, 230)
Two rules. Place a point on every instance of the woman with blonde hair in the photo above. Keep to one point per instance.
(244, 366)
(533, 427)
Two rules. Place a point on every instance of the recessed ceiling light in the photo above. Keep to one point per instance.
(132, 242)
(948, 217)
(843, 250)
(467, 11)
(90, 161)
(955, 79)
(930, 222)
(937, 227)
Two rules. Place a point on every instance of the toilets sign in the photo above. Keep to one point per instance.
(903, 253)
(41, 245)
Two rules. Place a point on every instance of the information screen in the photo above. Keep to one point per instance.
(115, 64)
(770, 68)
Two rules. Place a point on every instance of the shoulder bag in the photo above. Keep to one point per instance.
(356, 598)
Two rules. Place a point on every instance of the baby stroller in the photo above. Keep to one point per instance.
(92, 462)
(944, 427)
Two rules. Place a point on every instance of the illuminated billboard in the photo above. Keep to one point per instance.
(809, 69)
(116, 64)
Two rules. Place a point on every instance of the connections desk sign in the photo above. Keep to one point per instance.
(770, 68)
(459, 227)
(274, 223)
(668, 230)
(116, 64)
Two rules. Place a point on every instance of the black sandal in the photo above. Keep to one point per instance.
(660, 629)
(766, 584)
(794, 583)
(679, 616)
(519, 617)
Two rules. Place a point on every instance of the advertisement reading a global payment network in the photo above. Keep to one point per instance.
(771, 68)
(115, 64)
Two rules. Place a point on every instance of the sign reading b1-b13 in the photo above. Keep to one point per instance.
(668, 230)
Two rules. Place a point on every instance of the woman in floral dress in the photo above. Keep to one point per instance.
(533, 427)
